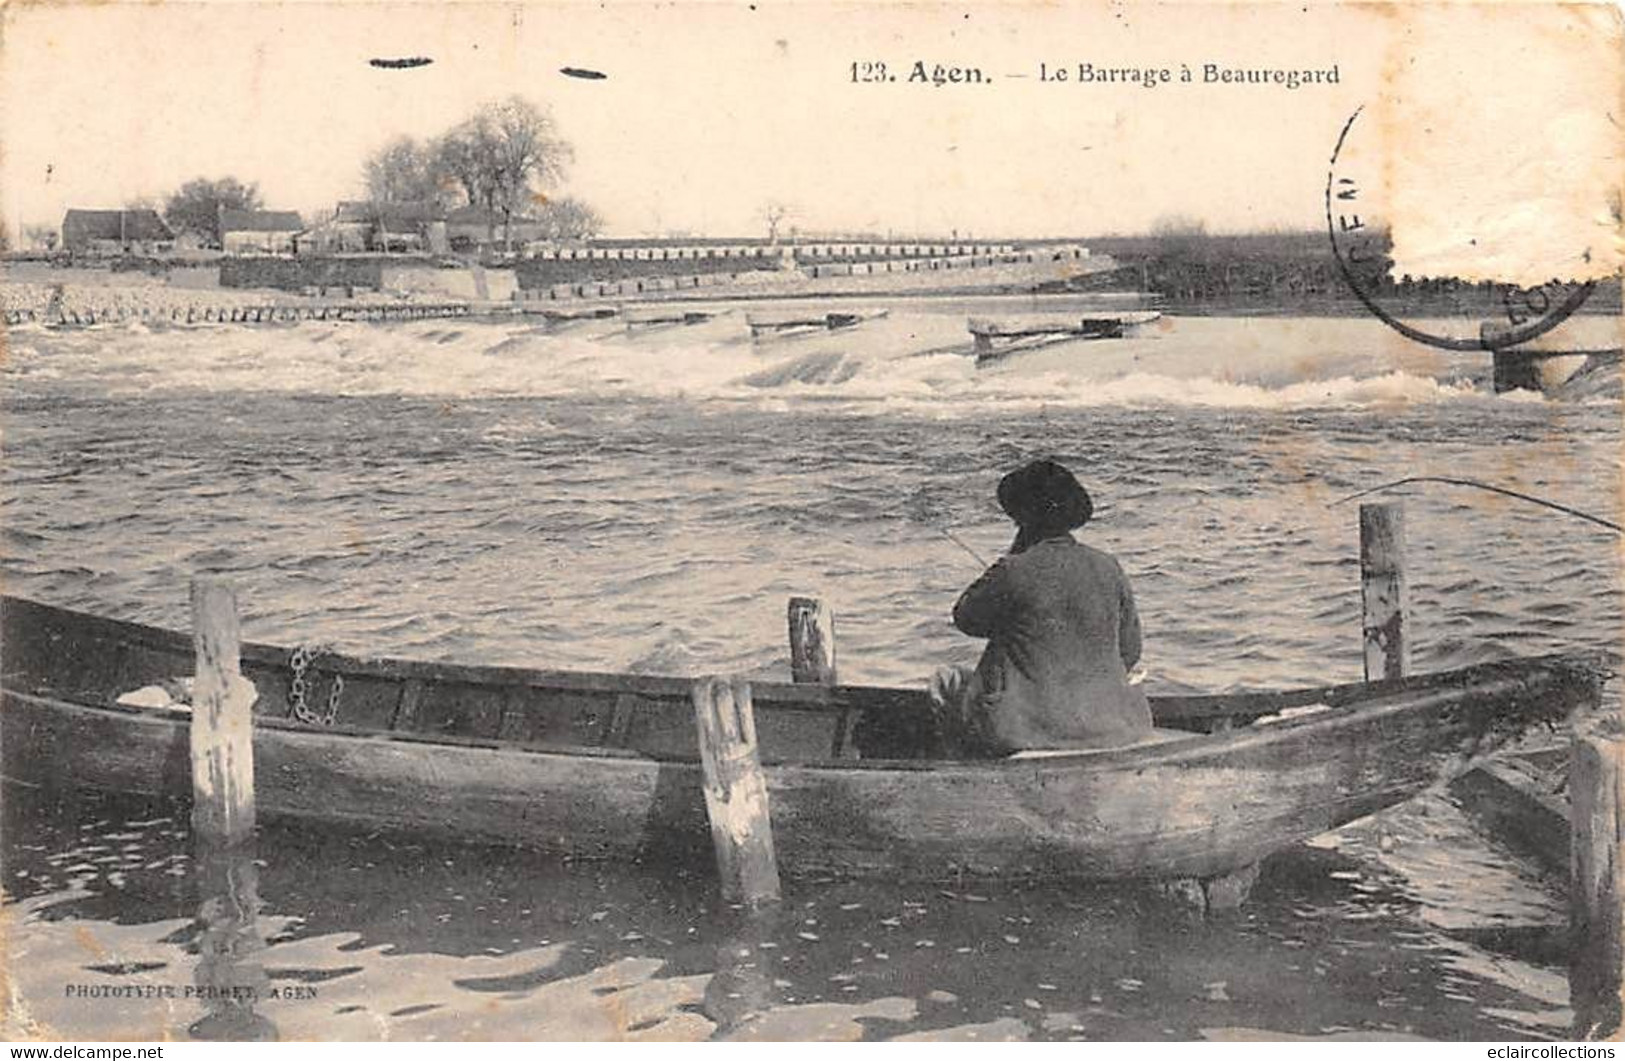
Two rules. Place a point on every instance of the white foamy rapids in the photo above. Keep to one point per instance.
(908, 363)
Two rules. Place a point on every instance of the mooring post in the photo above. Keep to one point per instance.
(222, 722)
(735, 791)
(812, 642)
(1383, 590)
(1511, 369)
(1596, 953)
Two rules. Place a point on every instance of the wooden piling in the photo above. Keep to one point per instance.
(1597, 829)
(812, 642)
(1383, 590)
(735, 791)
(222, 720)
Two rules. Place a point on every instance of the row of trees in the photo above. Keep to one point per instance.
(501, 159)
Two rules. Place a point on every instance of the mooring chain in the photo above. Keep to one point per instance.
(299, 689)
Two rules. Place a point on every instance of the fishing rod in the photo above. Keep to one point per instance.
(1475, 484)
(951, 536)
(921, 512)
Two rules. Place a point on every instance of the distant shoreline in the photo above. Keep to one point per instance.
(1594, 307)
(105, 291)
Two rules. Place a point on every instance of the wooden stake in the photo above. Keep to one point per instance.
(812, 642)
(1383, 590)
(735, 791)
(222, 720)
(1596, 954)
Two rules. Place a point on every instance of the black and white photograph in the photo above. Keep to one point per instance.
(678, 522)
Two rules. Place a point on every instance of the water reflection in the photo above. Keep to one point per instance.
(742, 989)
(230, 977)
(375, 937)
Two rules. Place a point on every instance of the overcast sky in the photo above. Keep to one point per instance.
(706, 113)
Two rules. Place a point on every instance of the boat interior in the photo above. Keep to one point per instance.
(78, 658)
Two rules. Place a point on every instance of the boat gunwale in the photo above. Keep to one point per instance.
(789, 696)
(1400, 698)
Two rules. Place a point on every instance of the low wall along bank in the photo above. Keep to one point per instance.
(297, 274)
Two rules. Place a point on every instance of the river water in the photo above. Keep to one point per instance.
(593, 498)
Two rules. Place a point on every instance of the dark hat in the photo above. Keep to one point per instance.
(1046, 495)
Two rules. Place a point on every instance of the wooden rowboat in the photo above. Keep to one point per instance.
(796, 320)
(998, 339)
(651, 316)
(604, 765)
(1519, 800)
(576, 314)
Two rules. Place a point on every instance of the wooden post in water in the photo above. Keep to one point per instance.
(735, 791)
(812, 642)
(1383, 590)
(1597, 830)
(222, 720)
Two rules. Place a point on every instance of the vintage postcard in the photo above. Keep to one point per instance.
(668, 522)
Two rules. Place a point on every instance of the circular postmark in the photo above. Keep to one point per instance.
(1495, 315)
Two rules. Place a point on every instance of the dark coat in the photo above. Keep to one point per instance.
(1062, 633)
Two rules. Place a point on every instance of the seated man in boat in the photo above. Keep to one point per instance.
(1062, 634)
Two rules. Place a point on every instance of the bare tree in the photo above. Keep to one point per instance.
(195, 207)
(569, 219)
(40, 237)
(774, 214)
(1178, 225)
(406, 171)
(503, 156)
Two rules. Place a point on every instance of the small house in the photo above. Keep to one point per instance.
(409, 227)
(348, 231)
(258, 231)
(115, 232)
(475, 228)
(356, 227)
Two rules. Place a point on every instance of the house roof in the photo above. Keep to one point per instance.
(260, 221)
(389, 215)
(479, 215)
(114, 224)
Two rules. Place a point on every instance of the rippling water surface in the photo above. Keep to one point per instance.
(603, 500)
